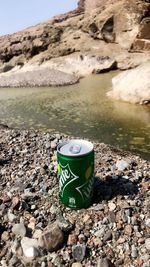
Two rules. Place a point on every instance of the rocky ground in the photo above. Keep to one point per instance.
(37, 230)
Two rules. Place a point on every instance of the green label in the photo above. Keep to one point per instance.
(70, 182)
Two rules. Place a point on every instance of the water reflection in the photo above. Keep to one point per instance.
(82, 110)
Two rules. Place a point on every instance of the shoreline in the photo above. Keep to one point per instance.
(118, 219)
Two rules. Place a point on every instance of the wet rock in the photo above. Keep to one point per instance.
(52, 238)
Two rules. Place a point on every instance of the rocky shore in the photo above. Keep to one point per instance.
(37, 230)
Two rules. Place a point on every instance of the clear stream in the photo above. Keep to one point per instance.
(81, 110)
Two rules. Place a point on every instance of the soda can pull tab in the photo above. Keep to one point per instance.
(75, 149)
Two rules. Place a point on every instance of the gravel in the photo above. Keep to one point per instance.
(36, 229)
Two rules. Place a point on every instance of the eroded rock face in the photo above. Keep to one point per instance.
(118, 22)
(142, 42)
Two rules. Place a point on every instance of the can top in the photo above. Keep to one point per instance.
(75, 148)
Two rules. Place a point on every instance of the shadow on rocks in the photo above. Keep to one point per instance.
(112, 187)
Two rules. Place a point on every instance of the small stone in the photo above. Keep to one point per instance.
(81, 238)
(111, 206)
(31, 252)
(48, 145)
(134, 252)
(97, 242)
(64, 224)
(86, 218)
(32, 223)
(121, 165)
(15, 202)
(5, 236)
(147, 243)
(29, 247)
(37, 233)
(72, 240)
(100, 233)
(11, 216)
(43, 264)
(98, 207)
(76, 264)
(19, 229)
(121, 240)
(78, 252)
(104, 262)
(128, 229)
(66, 256)
(52, 238)
(147, 222)
(107, 236)
(54, 158)
(53, 145)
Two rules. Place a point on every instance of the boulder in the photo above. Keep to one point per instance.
(132, 85)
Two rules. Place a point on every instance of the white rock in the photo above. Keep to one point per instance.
(31, 252)
(132, 85)
(29, 247)
(121, 165)
(111, 206)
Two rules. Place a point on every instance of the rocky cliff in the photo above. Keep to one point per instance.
(95, 37)
(94, 23)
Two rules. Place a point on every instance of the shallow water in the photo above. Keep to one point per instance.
(81, 110)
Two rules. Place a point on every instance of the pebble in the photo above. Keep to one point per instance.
(107, 236)
(147, 222)
(134, 252)
(121, 165)
(147, 243)
(5, 236)
(78, 252)
(29, 247)
(19, 229)
(11, 216)
(76, 264)
(72, 239)
(111, 206)
(52, 238)
(104, 262)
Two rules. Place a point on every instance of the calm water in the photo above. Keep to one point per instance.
(82, 110)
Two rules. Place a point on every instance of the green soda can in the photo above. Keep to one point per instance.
(75, 173)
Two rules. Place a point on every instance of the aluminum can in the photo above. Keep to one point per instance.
(75, 173)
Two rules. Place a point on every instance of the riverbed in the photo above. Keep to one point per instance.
(81, 110)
